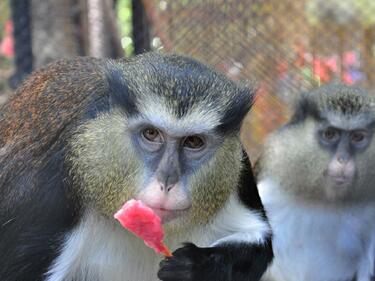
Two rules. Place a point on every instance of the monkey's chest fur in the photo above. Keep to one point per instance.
(99, 249)
(318, 243)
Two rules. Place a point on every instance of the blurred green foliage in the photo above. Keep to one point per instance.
(124, 15)
(366, 10)
(4, 15)
(341, 12)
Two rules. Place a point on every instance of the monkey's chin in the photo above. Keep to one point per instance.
(338, 188)
(169, 215)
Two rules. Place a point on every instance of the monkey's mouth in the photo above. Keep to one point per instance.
(340, 181)
(168, 215)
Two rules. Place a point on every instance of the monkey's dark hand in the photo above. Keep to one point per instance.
(192, 263)
(238, 262)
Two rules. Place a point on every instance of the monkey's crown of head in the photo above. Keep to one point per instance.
(181, 83)
(342, 99)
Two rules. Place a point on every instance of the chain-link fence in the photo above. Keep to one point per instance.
(286, 46)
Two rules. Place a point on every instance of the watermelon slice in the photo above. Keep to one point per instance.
(144, 223)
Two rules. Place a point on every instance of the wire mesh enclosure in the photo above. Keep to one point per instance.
(284, 47)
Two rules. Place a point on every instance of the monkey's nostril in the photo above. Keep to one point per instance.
(342, 160)
(165, 188)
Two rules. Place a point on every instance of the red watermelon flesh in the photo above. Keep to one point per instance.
(144, 223)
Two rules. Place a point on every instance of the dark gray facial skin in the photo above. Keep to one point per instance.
(170, 159)
(343, 145)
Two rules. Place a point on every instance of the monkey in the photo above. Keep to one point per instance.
(81, 137)
(317, 183)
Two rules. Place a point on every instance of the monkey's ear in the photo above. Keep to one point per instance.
(120, 94)
(237, 110)
(305, 107)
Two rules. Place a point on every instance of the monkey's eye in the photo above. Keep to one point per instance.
(330, 135)
(193, 142)
(152, 135)
(358, 138)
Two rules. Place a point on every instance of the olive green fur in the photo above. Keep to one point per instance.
(104, 168)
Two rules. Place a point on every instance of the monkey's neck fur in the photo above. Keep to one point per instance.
(100, 249)
(318, 242)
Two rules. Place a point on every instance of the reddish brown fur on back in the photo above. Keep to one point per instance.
(43, 108)
(47, 98)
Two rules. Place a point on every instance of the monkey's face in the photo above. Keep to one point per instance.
(344, 139)
(170, 159)
(180, 167)
(349, 143)
(185, 175)
(325, 160)
(326, 152)
(336, 159)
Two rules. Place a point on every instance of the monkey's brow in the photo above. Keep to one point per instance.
(172, 129)
(361, 121)
(371, 124)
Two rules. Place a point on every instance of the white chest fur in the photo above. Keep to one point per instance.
(99, 249)
(318, 243)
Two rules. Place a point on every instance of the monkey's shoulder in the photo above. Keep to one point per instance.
(43, 113)
(53, 93)
(52, 101)
(337, 236)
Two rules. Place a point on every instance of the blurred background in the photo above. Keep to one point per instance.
(286, 46)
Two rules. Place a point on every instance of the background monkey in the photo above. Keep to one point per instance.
(82, 137)
(317, 183)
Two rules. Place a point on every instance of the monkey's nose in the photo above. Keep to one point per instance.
(166, 188)
(342, 160)
(168, 182)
